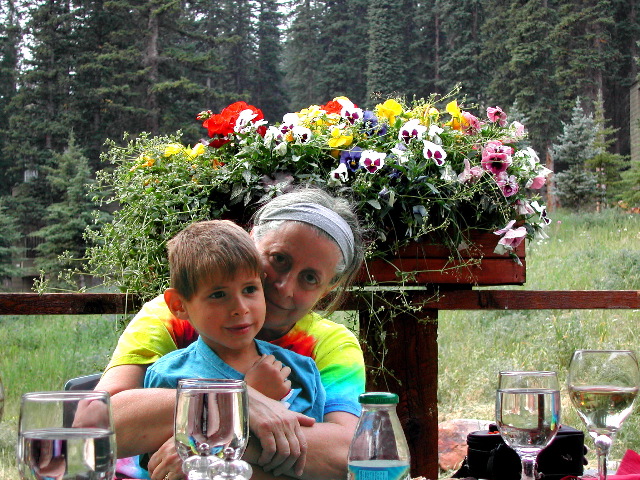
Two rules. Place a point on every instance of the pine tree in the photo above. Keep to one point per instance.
(576, 185)
(10, 35)
(389, 25)
(517, 57)
(69, 215)
(606, 165)
(342, 61)
(9, 236)
(269, 94)
(459, 52)
(302, 51)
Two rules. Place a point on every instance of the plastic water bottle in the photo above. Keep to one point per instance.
(379, 449)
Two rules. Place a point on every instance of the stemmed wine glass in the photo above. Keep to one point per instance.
(211, 428)
(528, 414)
(66, 435)
(603, 385)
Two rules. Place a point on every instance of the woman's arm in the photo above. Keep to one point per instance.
(143, 418)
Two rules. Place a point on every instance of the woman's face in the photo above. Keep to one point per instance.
(299, 264)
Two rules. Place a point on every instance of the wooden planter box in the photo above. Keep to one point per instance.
(432, 263)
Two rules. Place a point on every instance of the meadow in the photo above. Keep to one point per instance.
(583, 251)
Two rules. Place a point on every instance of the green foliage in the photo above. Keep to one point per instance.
(9, 235)
(68, 217)
(388, 21)
(577, 188)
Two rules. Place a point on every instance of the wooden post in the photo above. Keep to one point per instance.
(412, 365)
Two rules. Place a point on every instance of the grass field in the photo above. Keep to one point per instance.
(583, 252)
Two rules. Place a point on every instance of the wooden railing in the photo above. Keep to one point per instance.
(414, 362)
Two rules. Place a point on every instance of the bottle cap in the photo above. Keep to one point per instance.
(378, 398)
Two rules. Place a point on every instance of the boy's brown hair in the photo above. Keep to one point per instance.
(209, 249)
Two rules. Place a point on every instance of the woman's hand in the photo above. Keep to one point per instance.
(270, 377)
(284, 446)
(166, 462)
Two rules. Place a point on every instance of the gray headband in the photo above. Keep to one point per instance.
(320, 217)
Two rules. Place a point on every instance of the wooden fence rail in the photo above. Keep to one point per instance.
(415, 363)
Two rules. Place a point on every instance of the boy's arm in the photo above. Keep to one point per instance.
(270, 377)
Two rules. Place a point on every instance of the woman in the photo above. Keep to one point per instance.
(311, 248)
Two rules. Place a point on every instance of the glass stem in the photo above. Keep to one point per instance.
(603, 445)
(529, 467)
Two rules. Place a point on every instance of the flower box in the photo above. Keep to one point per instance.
(430, 262)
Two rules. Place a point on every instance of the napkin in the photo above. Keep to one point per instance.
(629, 466)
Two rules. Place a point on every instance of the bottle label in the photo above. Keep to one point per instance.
(378, 470)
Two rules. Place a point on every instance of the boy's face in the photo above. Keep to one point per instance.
(229, 313)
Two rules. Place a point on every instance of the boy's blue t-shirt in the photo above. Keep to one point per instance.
(199, 361)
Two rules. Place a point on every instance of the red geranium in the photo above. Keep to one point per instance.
(221, 125)
(332, 107)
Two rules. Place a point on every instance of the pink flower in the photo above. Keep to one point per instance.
(508, 184)
(496, 158)
(471, 125)
(470, 174)
(511, 238)
(496, 115)
(538, 182)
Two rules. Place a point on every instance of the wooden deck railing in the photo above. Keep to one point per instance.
(415, 363)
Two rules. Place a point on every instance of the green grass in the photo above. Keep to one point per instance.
(42, 353)
(583, 252)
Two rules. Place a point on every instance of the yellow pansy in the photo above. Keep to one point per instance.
(456, 115)
(388, 110)
(197, 150)
(338, 139)
(146, 162)
(172, 149)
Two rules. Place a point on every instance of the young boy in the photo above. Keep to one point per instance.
(215, 275)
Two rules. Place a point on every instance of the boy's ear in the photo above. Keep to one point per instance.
(175, 302)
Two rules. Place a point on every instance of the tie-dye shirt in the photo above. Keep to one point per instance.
(154, 332)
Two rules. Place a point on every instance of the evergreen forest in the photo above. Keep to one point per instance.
(74, 73)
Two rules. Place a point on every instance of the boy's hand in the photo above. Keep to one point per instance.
(270, 377)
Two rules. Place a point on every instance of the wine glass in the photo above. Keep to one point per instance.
(66, 435)
(211, 428)
(603, 385)
(528, 414)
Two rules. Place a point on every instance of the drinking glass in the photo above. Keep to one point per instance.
(528, 414)
(211, 428)
(603, 385)
(66, 436)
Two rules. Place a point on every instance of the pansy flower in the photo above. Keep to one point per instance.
(412, 130)
(496, 158)
(434, 152)
(370, 124)
(496, 115)
(372, 161)
(511, 238)
(301, 134)
(339, 175)
(508, 184)
(388, 110)
(351, 158)
(470, 174)
(339, 138)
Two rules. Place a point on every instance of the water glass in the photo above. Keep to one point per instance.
(528, 414)
(66, 435)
